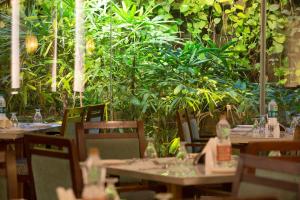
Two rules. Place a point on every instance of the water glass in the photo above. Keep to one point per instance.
(150, 151)
(262, 125)
(182, 154)
(293, 125)
(14, 119)
(37, 116)
(255, 128)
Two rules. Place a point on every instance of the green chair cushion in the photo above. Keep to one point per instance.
(50, 173)
(253, 190)
(3, 188)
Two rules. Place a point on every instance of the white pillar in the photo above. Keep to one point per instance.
(15, 45)
(79, 47)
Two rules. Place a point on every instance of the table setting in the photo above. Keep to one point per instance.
(11, 129)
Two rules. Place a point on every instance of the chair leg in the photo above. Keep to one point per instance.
(11, 172)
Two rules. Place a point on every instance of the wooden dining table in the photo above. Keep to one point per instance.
(15, 133)
(164, 170)
(240, 140)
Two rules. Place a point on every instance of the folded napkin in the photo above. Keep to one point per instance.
(210, 163)
(210, 155)
(5, 122)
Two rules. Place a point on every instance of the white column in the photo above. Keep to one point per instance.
(15, 45)
(54, 65)
(79, 47)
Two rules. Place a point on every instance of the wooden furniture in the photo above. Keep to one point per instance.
(70, 118)
(125, 139)
(288, 150)
(120, 140)
(9, 171)
(150, 170)
(241, 141)
(49, 168)
(95, 112)
(245, 139)
(11, 134)
(188, 131)
(236, 198)
(270, 177)
(13, 137)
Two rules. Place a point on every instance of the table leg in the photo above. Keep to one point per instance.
(176, 190)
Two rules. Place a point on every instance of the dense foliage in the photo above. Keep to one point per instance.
(147, 59)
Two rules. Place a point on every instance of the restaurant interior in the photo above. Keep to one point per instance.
(150, 99)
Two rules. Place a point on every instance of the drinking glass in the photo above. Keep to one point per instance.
(37, 116)
(150, 151)
(163, 196)
(182, 154)
(293, 125)
(110, 190)
(262, 125)
(14, 119)
(256, 128)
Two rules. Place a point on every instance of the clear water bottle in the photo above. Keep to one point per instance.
(94, 175)
(2, 105)
(110, 190)
(272, 109)
(223, 144)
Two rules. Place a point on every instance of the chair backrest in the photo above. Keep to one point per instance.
(183, 126)
(50, 168)
(285, 150)
(261, 176)
(125, 139)
(8, 171)
(95, 112)
(71, 117)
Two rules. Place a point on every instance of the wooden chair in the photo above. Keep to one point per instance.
(125, 141)
(49, 168)
(188, 131)
(95, 112)
(112, 145)
(71, 116)
(289, 150)
(8, 171)
(260, 176)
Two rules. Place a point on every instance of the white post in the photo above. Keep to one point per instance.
(79, 47)
(15, 46)
(54, 65)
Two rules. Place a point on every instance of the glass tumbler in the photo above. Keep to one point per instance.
(262, 125)
(37, 118)
(14, 119)
(150, 151)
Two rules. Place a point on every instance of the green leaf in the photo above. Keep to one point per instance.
(277, 47)
(218, 8)
(217, 20)
(280, 38)
(241, 15)
(273, 7)
(239, 7)
(178, 89)
(184, 8)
